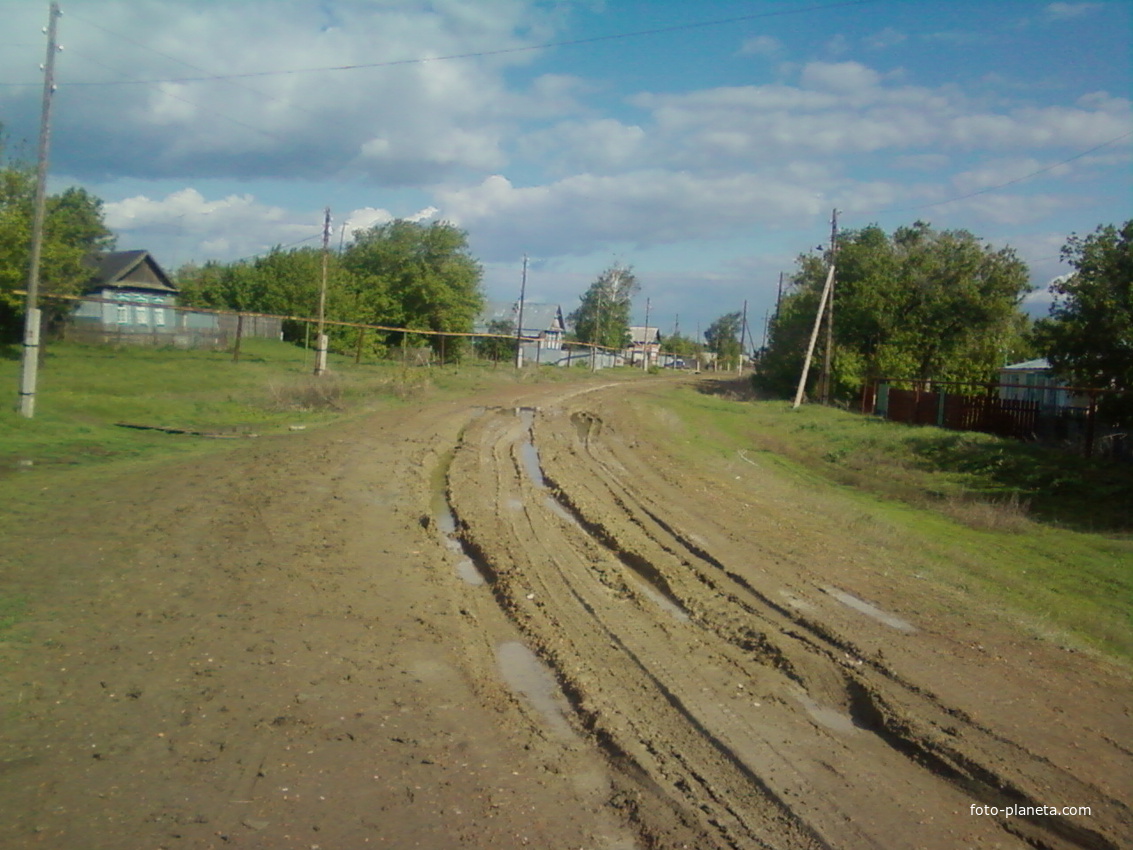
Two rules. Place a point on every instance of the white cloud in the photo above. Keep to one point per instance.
(761, 45)
(398, 125)
(232, 226)
(839, 77)
(1063, 11)
(586, 212)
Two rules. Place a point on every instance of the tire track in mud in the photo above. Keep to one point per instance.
(910, 719)
(735, 721)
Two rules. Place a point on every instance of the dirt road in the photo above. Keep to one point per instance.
(515, 621)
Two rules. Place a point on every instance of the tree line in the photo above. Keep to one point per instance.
(924, 304)
(399, 274)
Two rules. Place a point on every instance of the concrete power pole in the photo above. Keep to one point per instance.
(645, 339)
(320, 336)
(743, 341)
(519, 323)
(29, 364)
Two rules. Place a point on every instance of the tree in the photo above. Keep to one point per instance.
(497, 347)
(918, 304)
(603, 316)
(73, 228)
(1088, 337)
(682, 346)
(722, 337)
(417, 276)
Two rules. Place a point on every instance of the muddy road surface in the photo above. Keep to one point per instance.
(513, 621)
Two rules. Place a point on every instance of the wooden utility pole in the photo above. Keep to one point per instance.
(827, 361)
(320, 336)
(29, 365)
(519, 323)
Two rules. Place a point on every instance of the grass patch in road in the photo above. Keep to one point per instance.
(909, 494)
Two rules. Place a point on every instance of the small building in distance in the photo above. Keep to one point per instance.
(644, 345)
(1034, 380)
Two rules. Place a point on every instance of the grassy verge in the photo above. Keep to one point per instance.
(85, 392)
(926, 509)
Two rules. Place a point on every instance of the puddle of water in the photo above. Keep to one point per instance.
(834, 720)
(555, 507)
(530, 457)
(796, 603)
(446, 526)
(661, 600)
(870, 610)
(529, 677)
(468, 572)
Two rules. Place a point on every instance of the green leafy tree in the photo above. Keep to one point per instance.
(602, 317)
(1088, 337)
(919, 304)
(418, 276)
(723, 338)
(73, 229)
(498, 347)
(682, 346)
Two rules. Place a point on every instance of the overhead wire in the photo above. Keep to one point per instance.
(576, 42)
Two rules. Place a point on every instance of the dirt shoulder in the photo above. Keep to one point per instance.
(283, 647)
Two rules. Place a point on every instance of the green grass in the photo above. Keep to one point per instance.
(937, 503)
(84, 392)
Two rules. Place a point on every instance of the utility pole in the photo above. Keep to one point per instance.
(320, 336)
(645, 339)
(29, 364)
(519, 324)
(827, 364)
(743, 339)
(826, 292)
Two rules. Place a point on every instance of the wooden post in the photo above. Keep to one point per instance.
(1091, 416)
(358, 348)
(239, 333)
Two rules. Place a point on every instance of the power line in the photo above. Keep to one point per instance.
(577, 42)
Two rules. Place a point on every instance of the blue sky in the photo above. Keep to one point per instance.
(703, 143)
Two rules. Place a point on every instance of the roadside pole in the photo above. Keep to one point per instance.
(519, 323)
(29, 365)
(320, 336)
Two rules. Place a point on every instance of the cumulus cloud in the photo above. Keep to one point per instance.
(398, 125)
(586, 212)
(229, 226)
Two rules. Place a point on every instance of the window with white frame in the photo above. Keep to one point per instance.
(141, 314)
(123, 314)
(159, 317)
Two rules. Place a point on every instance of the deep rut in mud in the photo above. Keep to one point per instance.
(734, 712)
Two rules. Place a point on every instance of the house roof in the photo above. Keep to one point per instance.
(129, 270)
(1028, 366)
(536, 317)
(644, 335)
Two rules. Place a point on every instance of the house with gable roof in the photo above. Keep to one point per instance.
(129, 299)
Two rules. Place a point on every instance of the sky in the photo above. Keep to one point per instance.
(705, 143)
